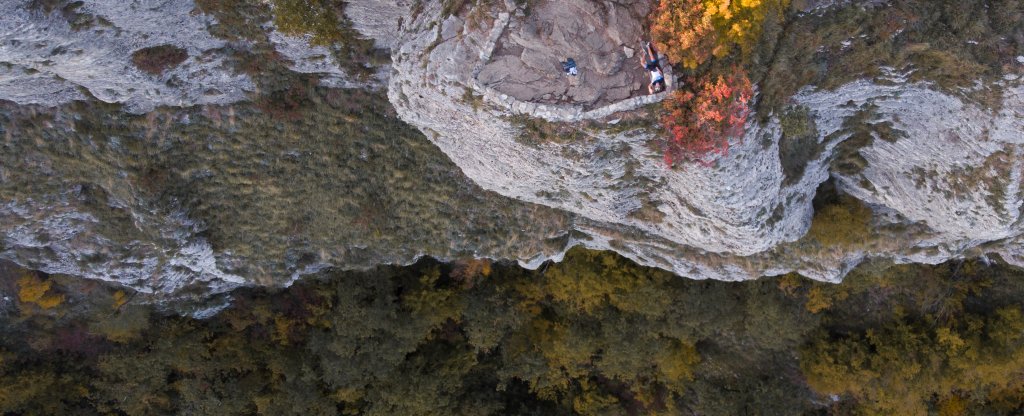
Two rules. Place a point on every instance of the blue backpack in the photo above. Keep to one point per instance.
(569, 66)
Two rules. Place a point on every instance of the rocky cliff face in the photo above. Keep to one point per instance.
(180, 194)
(56, 52)
(950, 169)
(211, 195)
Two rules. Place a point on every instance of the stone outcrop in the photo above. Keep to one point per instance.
(610, 177)
(538, 85)
(200, 199)
(318, 60)
(741, 218)
(52, 57)
(525, 64)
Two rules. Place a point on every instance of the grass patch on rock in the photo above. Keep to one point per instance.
(156, 60)
(535, 131)
(951, 43)
(863, 128)
(798, 144)
(323, 21)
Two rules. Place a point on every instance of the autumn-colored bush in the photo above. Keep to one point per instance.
(692, 31)
(32, 289)
(714, 106)
(700, 122)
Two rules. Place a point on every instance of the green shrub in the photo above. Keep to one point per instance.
(318, 18)
(845, 223)
(798, 144)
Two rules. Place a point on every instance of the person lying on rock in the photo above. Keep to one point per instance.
(569, 66)
(651, 65)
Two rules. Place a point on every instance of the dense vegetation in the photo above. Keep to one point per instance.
(302, 175)
(596, 334)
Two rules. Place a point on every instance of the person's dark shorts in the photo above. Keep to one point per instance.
(660, 85)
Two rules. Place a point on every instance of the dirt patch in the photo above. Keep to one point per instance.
(157, 59)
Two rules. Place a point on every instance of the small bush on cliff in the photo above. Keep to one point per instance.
(693, 31)
(844, 222)
(157, 59)
(324, 21)
(317, 18)
(714, 106)
(700, 122)
(33, 290)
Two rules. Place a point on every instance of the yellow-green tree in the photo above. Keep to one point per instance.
(911, 366)
(692, 31)
(36, 291)
(598, 317)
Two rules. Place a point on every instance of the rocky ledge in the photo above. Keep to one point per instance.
(949, 170)
(209, 191)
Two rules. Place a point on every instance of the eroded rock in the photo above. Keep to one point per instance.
(52, 57)
(741, 218)
(526, 66)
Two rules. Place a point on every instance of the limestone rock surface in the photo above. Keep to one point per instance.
(52, 57)
(953, 176)
(200, 195)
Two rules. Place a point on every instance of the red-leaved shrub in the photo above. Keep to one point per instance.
(701, 121)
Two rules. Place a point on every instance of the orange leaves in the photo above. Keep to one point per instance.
(700, 123)
(692, 31)
(683, 31)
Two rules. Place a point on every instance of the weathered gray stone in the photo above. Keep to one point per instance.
(734, 221)
(576, 29)
(451, 27)
(101, 58)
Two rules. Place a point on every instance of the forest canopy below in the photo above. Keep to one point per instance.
(595, 334)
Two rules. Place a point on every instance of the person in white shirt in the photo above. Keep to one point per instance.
(654, 68)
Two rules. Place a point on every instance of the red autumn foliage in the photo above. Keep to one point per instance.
(701, 121)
